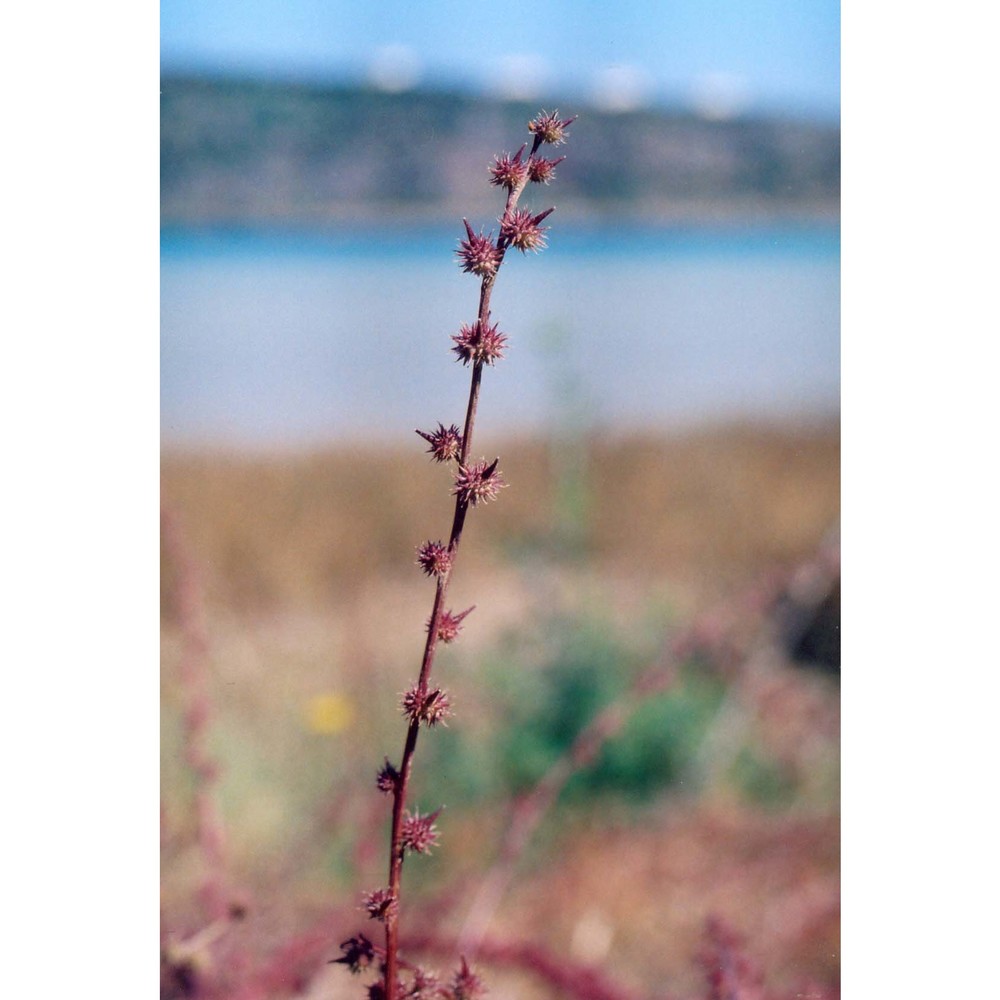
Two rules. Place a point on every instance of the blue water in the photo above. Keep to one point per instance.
(294, 337)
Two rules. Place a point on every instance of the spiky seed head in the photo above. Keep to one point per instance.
(540, 170)
(478, 254)
(358, 953)
(549, 128)
(480, 342)
(388, 778)
(425, 985)
(521, 229)
(419, 834)
(434, 558)
(427, 707)
(466, 985)
(379, 904)
(445, 442)
(450, 624)
(508, 171)
(478, 483)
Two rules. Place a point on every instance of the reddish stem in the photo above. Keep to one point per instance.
(396, 849)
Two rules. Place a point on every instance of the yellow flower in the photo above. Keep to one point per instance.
(329, 713)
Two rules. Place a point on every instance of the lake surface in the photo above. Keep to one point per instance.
(281, 337)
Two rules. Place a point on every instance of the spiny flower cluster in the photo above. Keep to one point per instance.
(508, 171)
(478, 483)
(549, 128)
(380, 904)
(434, 558)
(358, 953)
(480, 343)
(450, 624)
(541, 171)
(445, 442)
(467, 985)
(478, 254)
(521, 229)
(427, 985)
(419, 834)
(424, 986)
(429, 707)
(388, 778)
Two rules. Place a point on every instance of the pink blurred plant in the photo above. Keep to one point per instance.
(729, 971)
(476, 482)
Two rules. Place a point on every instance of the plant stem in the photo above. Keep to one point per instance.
(462, 502)
(396, 849)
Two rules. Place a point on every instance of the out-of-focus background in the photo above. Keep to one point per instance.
(656, 593)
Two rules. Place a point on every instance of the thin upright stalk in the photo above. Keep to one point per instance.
(430, 647)
(477, 345)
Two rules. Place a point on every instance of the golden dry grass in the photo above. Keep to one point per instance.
(708, 509)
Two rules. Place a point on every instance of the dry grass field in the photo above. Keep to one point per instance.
(292, 618)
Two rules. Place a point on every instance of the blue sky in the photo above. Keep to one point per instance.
(723, 55)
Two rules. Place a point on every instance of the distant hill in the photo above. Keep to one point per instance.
(252, 152)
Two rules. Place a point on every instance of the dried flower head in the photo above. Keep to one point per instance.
(467, 985)
(450, 624)
(428, 707)
(478, 254)
(434, 558)
(419, 834)
(358, 951)
(508, 171)
(388, 778)
(540, 170)
(379, 904)
(480, 342)
(478, 483)
(425, 985)
(549, 128)
(445, 443)
(521, 229)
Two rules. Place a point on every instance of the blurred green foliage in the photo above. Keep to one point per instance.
(539, 708)
(761, 780)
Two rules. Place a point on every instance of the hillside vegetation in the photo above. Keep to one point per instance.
(256, 152)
